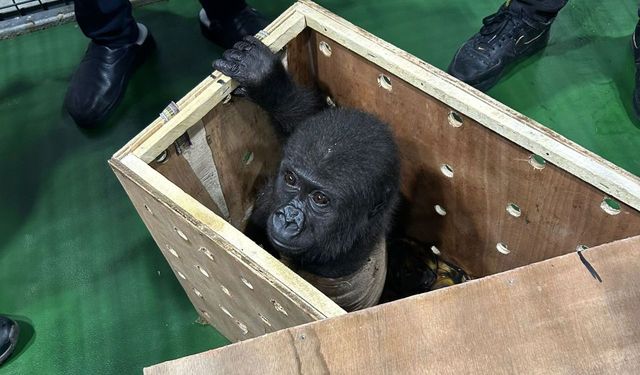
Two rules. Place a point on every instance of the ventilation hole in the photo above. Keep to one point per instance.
(384, 82)
(582, 247)
(247, 158)
(148, 209)
(208, 254)
(537, 161)
(246, 282)
(173, 252)
(224, 310)
(330, 102)
(181, 234)
(242, 326)
(202, 271)
(162, 158)
(610, 206)
(440, 210)
(182, 275)
(206, 314)
(227, 99)
(197, 292)
(279, 307)
(447, 170)
(325, 48)
(264, 319)
(225, 290)
(435, 250)
(514, 210)
(502, 248)
(455, 119)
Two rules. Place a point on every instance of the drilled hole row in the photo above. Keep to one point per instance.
(383, 80)
(243, 327)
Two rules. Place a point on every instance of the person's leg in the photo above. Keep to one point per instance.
(519, 29)
(8, 337)
(118, 46)
(543, 9)
(225, 22)
(108, 23)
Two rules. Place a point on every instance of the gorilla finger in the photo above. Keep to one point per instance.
(233, 55)
(226, 67)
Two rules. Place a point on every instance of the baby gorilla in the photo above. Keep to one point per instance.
(328, 209)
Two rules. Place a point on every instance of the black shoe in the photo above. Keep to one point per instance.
(636, 55)
(8, 337)
(226, 32)
(506, 37)
(101, 78)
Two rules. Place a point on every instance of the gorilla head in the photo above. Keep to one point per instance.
(335, 188)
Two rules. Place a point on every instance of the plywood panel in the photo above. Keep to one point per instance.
(558, 211)
(548, 318)
(236, 297)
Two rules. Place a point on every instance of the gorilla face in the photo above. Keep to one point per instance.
(304, 211)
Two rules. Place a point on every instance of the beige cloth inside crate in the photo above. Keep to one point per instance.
(357, 291)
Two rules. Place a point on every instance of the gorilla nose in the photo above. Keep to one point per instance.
(288, 221)
(291, 214)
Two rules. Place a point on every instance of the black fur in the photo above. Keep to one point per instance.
(347, 155)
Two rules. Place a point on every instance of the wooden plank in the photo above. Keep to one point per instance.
(157, 137)
(476, 105)
(246, 151)
(557, 211)
(548, 318)
(242, 286)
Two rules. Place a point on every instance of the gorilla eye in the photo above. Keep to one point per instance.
(290, 178)
(320, 199)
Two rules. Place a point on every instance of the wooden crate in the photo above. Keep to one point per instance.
(514, 192)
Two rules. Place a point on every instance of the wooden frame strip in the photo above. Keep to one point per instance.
(471, 102)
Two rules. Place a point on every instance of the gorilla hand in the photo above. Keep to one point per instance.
(254, 66)
(263, 78)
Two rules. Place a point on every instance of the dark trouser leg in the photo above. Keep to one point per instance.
(222, 9)
(107, 22)
(542, 9)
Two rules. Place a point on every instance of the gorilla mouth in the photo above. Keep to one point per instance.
(286, 247)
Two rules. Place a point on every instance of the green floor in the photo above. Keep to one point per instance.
(77, 266)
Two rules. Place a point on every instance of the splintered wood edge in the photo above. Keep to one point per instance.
(211, 91)
(242, 248)
(488, 112)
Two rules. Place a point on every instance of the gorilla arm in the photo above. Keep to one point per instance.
(262, 75)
